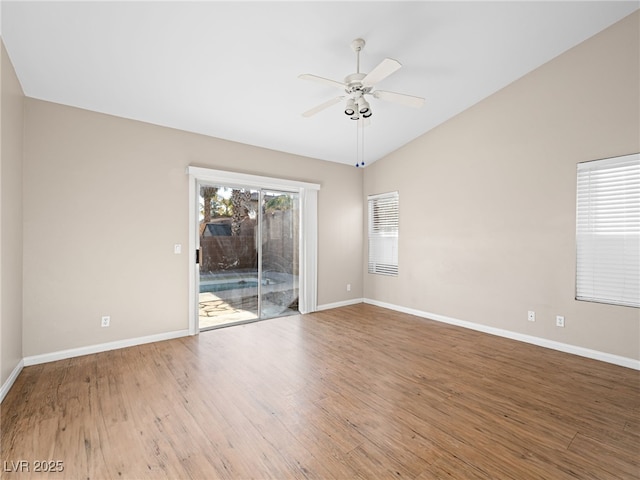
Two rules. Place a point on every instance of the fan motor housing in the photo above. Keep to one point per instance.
(354, 83)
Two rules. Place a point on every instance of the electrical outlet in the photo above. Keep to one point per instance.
(559, 321)
(531, 316)
(348, 287)
(106, 320)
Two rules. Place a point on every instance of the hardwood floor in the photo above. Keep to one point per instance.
(358, 392)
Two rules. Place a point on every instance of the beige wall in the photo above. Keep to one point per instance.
(11, 133)
(487, 200)
(107, 198)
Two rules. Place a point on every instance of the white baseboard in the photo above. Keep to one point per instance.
(541, 342)
(102, 347)
(6, 386)
(328, 306)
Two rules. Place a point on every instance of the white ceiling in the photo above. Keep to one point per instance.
(229, 69)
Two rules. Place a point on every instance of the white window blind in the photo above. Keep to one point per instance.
(608, 231)
(383, 233)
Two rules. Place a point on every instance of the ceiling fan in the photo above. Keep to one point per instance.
(358, 85)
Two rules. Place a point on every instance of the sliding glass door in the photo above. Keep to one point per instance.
(279, 253)
(228, 255)
(248, 254)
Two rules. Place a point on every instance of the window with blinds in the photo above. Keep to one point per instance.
(383, 233)
(608, 231)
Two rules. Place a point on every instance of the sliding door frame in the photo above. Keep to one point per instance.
(308, 231)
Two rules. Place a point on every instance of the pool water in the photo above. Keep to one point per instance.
(222, 286)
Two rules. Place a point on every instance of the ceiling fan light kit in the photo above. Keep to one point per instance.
(364, 109)
(351, 107)
(358, 85)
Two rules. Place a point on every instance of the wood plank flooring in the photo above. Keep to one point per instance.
(358, 392)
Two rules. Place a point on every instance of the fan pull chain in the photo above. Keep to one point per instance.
(362, 138)
(357, 146)
(359, 140)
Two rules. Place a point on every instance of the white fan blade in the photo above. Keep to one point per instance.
(326, 81)
(322, 106)
(401, 98)
(385, 68)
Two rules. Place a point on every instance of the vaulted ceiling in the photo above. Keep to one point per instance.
(230, 69)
